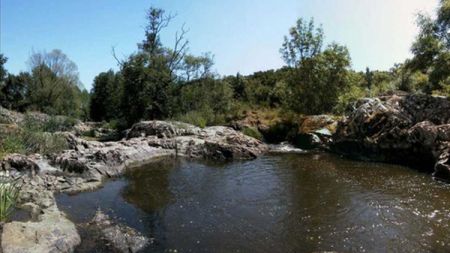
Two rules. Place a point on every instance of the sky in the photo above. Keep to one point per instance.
(243, 35)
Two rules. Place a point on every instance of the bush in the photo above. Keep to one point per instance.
(252, 132)
(32, 139)
(12, 144)
(9, 193)
(48, 124)
(196, 118)
(43, 143)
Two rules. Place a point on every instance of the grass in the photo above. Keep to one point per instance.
(252, 132)
(9, 193)
(33, 136)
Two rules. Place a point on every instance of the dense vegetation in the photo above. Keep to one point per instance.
(161, 82)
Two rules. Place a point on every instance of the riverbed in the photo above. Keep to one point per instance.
(276, 203)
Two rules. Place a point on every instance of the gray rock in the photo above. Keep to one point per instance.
(53, 232)
(408, 129)
(121, 237)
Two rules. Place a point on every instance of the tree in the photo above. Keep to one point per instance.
(149, 74)
(106, 96)
(3, 71)
(368, 77)
(319, 81)
(13, 93)
(195, 67)
(431, 48)
(304, 42)
(54, 87)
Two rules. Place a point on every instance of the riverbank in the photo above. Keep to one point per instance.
(87, 163)
(396, 128)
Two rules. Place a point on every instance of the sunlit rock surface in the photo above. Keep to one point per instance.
(408, 129)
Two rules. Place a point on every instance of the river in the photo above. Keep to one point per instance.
(276, 203)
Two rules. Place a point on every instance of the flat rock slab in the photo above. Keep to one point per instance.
(53, 233)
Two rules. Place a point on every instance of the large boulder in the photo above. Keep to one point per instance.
(407, 129)
(216, 142)
(162, 129)
(314, 131)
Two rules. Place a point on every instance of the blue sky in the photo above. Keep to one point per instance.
(243, 35)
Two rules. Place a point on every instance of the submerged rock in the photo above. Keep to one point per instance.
(121, 237)
(407, 129)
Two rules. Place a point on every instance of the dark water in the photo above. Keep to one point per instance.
(279, 203)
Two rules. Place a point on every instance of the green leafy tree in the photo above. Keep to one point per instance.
(3, 72)
(149, 74)
(304, 41)
(54, 87)
(13, 93)
(319, 81)
(106, 96)
(432, 48)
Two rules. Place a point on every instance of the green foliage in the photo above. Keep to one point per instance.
(353, 92)
(432, 48)
(9, 193)
(52, 86)
(3, 71)
(197, 118)
(204, 102)
(12, 144)
(42, 123)
(37, 136)
(319, 81)
(43, 142)
(252, 132)
(106, 96)
(304, 42)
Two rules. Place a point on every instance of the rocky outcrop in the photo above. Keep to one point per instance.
(408, 129)
(314, 131)
(303, 131)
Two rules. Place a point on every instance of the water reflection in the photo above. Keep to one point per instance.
(279, 203)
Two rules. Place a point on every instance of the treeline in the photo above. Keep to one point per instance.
(161, 82)
(51, 86)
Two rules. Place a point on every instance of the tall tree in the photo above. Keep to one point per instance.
(149, 74)
(106, 95)
(432, 47)
(54, 87)
(3, 71)
(304, 41)
(319, 81)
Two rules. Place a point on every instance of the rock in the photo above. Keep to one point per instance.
(409, 129)
(10, 117)
(162, 129)
(88, 163)
(123, 238)
(284, 147)
(314, 131)
(52, 233)
(21, 163)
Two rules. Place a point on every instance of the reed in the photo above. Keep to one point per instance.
(9, 193)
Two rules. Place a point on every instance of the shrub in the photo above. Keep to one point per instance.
(9, 193)
(51, 124)
(195, 118)
(252, 132)
(43, 143)
(12, 144)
